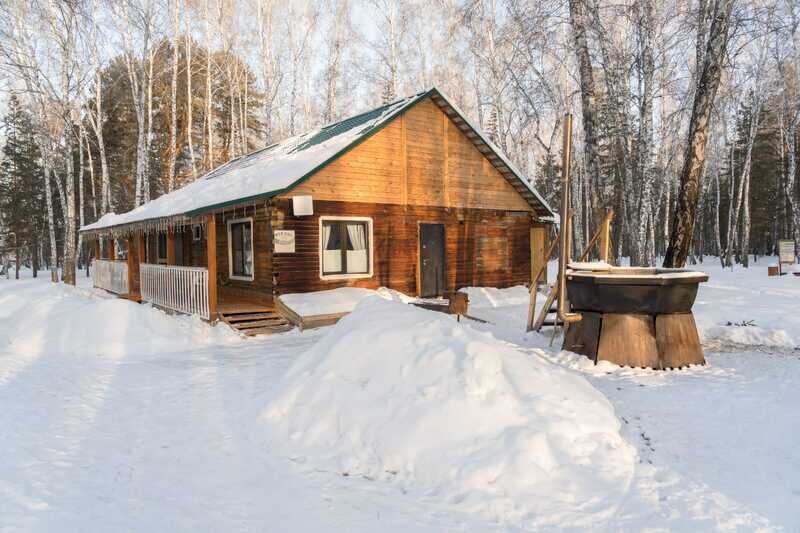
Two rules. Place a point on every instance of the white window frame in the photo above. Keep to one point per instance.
(370, 247)
(230, 249)
(197, 232)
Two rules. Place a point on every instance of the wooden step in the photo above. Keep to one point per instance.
(268, 330)
(277, 321)
(248, 311)
(251, 316)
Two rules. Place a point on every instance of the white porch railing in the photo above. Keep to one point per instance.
(179, 288)
(110, 275)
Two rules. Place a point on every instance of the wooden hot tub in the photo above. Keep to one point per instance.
(637, 317)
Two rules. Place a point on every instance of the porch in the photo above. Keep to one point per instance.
(176, 269)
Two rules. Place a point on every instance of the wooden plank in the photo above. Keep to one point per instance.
(276, 321)
(268, 330)
(211, 247)
(628, 340)
(548, 303)
(250, 316)
(288, 313)
(538, 254)
(583, 336)
(318, 321)
(678, 341)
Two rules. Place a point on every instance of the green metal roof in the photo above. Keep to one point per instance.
(337, 128)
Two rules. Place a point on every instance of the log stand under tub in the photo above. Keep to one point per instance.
(638, 317)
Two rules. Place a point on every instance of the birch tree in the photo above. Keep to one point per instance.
(694, 159)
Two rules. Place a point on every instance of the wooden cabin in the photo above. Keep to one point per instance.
(409, 196)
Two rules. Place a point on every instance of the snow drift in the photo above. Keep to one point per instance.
(393, 392)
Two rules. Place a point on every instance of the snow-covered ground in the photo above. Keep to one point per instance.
(117, 417)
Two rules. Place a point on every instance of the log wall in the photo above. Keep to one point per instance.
(483, 247)
(421, 158)
(259, 290)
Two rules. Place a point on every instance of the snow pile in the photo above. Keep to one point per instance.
(493, 297)
(334, 301)
(66, 319)
(397, 393)
(746, 307)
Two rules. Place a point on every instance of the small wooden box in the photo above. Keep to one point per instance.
(773, 270)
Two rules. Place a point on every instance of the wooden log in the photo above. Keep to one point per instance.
(678, 341)
(211, 250)
(605, 236)
(583, 336)
(628, 340)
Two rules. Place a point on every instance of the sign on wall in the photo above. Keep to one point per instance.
(283, 240)
(786, 251)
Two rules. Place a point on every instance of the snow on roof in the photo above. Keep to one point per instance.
(269, 171)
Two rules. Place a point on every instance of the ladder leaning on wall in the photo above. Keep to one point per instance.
(602, 237)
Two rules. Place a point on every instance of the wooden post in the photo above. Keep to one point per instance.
(133, 269)
(170, 248)
(97, 247)
(211, 254)
(605, 236)
(538, 252)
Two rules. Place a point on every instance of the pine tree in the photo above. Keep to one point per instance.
(20, 184)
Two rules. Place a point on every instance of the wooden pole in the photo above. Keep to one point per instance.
(211, 254)
(605, 236)
(133, 268)
(170, 248)
(565, 241)
(97, 247)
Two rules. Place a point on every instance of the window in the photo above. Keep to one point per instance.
(240, 248)
(197, 232)
(161, 248)
(346, 247)
(120, 249)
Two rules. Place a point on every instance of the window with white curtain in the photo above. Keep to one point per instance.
(240, 248)
(345, 247)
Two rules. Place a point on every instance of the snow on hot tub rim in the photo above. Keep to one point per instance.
(635, 275)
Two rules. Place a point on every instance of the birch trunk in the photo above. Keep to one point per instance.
(91, 173)
(588, 92)
(51, 226)
(68, 273)
(96, 120)
(694, 159)
(81, 217)
(209, 93)
(173, 118)
(645, 138)
(189, 94)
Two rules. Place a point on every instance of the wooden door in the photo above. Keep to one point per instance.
(431, 260)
